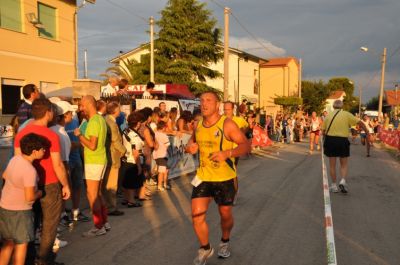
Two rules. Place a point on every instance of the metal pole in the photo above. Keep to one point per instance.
(238, 78)
(382, 83)
(76, 43)
(360, 100)
(226, 54)
(85, 73)
(151, 49)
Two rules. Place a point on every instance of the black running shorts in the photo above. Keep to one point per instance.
(336, 146)
(222, 192)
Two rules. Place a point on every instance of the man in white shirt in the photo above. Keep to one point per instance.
(149, 87)
(111, 88)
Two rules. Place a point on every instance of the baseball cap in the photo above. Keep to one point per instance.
(63, 107)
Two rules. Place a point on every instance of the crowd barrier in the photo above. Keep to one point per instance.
(180, 162)
(260, 137)
(391, 138)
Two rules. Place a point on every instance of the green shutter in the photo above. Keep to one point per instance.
(47, 16)
(10, 14)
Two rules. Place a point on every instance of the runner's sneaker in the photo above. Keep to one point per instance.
(343, 186)
(59, 244)
(334, 188)
(65, 221)
(77, 216)
(223, 251)
(202, 256)
(95, 232)
(107, 226)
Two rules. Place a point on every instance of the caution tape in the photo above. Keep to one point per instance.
(330, 236)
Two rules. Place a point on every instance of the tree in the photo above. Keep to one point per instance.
(373, 103)
(314, 94)
(186, 45)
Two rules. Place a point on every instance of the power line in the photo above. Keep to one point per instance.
(127, 11)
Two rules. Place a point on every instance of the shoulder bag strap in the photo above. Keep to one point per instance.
(326, 134)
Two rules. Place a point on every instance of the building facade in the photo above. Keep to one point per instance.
(38, 46)
(243, 73)
(279, 77)
(335, 95)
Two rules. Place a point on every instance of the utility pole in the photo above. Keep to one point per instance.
(380, 114)
(85, 73)
(360, 100)
(152, 49)
(227, 11)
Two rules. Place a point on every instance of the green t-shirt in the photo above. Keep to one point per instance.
(96, 127)
(341, 124)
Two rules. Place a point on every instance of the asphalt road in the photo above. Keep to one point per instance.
(278, 218)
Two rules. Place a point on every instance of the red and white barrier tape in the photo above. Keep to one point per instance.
(330, 236)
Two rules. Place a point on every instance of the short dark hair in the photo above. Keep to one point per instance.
(100, 104)
(214, 93)
(39, 108)
(134, 118)
(31, 142)
(156, 110)
(187, 116)
(150, 85)
(122, 83)
(161, 125)
(162, 102)
(146, 112)
(111, 107)
(28, 89)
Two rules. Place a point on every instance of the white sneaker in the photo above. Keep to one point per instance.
(107, 226)
(95, 232)
(334, 188)
(59, 244)
(343, 186)
(202, 256)
(223, 251)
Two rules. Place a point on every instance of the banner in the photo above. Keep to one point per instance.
(391, 138)
(180, 162)
(190, 105)
(260, 137)
(6, 135)
(152, 103)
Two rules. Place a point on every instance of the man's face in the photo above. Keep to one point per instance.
(314, 114)
(68, 117)
(208, 104)
(83, 107)
(228, 110)
(35, 94)
(163, 107)
(113, 82)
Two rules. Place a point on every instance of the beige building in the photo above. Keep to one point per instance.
(278, 77)
(38, 45)
(243, 72)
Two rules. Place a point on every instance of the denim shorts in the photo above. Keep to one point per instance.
(16, 226)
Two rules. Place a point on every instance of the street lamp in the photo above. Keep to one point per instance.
(365, 49)
(76, 32)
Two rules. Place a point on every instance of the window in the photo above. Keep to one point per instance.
(10, 95)
(47, 16)
(256, 84)
(10, 14)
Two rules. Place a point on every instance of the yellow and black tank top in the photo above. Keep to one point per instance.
(212, 139)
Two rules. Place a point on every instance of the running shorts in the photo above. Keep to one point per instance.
(222, 192)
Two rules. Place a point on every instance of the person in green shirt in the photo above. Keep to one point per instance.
(95, 159)
(336, 130)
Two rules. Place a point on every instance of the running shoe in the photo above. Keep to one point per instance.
(160, 189)
(223, 251)
(343, 186)
(107, 226)
(77, 216)
(95, 232)
(167, 187)
(65, 221)
(334, 188)
(59, 244)
(202, 256)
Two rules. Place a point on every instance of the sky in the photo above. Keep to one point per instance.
(325, 34)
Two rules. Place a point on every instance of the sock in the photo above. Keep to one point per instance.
(98, 218)
(224, 240)
(206, 247)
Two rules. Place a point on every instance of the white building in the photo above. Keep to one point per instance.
(335, 95)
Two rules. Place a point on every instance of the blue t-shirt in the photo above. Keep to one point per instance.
(74, 155)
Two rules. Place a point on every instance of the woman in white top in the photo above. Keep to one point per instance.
(315, 128)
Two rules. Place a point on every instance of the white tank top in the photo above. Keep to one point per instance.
(314, 124)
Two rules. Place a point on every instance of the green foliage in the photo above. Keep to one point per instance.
(288, 101)
(373, 103)
(315, 93)
(185, 47)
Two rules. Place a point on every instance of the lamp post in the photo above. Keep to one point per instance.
(76, 33)
(365, 49)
